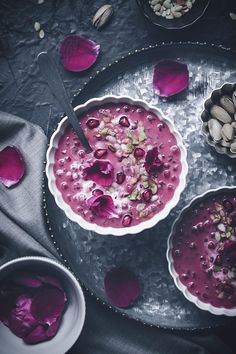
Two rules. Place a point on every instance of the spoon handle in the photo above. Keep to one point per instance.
(51, 75)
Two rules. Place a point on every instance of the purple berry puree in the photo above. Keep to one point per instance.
(143, 179)
(204, 250)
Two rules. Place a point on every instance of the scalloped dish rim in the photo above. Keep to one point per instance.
(50, 159)
(189, 296)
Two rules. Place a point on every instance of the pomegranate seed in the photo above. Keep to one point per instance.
(127, 219)
(99, 153)
(92, 123)
(124, 121)
(147, 195)
(139, 153)
(120, 177)
(97, 192)
(218, 260)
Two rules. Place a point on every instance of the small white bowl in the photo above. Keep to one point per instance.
(194, 299)
(73, 316)
(96, 102)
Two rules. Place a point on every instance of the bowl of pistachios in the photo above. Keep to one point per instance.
(218, 117)
(173, 14)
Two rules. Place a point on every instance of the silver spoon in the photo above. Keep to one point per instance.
(51, 75)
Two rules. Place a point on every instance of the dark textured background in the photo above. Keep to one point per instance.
(22, 92)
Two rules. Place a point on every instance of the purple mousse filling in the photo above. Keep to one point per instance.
(204, 250)
(132, 172)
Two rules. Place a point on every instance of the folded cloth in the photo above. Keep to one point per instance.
(22, 227)
(23, 232)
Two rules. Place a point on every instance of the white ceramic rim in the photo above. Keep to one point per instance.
(60, 266)
(200, 304)
(219, 148)
(53, 145)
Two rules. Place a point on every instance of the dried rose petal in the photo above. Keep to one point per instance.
(21, 321)
(121, 286)
(28, 280)
(101, 172)
(47, 305)
(33, 305)
(42, 333)
(78, 53)
(153, 163)
(170, 77)
(12, 166)
(8, 295)
(102, 206)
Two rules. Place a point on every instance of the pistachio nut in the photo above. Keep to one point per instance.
(102, 16)
(227, 132)
(215, 129)
(227, 104)
(220, 114)
(233, 147)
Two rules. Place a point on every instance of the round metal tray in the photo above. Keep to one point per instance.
(89, 255)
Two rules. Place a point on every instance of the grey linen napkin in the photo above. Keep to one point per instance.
(22, 228)
(23, 232)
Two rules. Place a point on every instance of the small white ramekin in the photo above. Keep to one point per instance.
(96, 102)
(72, 319)
(194, 299)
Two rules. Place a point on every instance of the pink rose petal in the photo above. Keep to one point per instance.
(102, 206)
(32, 305)
(42, 333)
(12, 167)
(121, 286)
(47, 305)
(153, 162)
(21, 321)
(170, 77)
(101, 172)
(78, 53)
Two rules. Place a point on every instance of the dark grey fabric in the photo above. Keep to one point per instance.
(22, 228)
(23, 232)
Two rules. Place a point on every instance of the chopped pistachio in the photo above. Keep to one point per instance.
(135, 195)
(129, 147)
(216, 269)
(104, 132)
(142, 135)
(153, 187)
(228, 234)
(221, 227)
(217, 236)
(145, 184)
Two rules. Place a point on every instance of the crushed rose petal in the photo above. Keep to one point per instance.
(153, 162)
(102, 206)
(101, 172)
